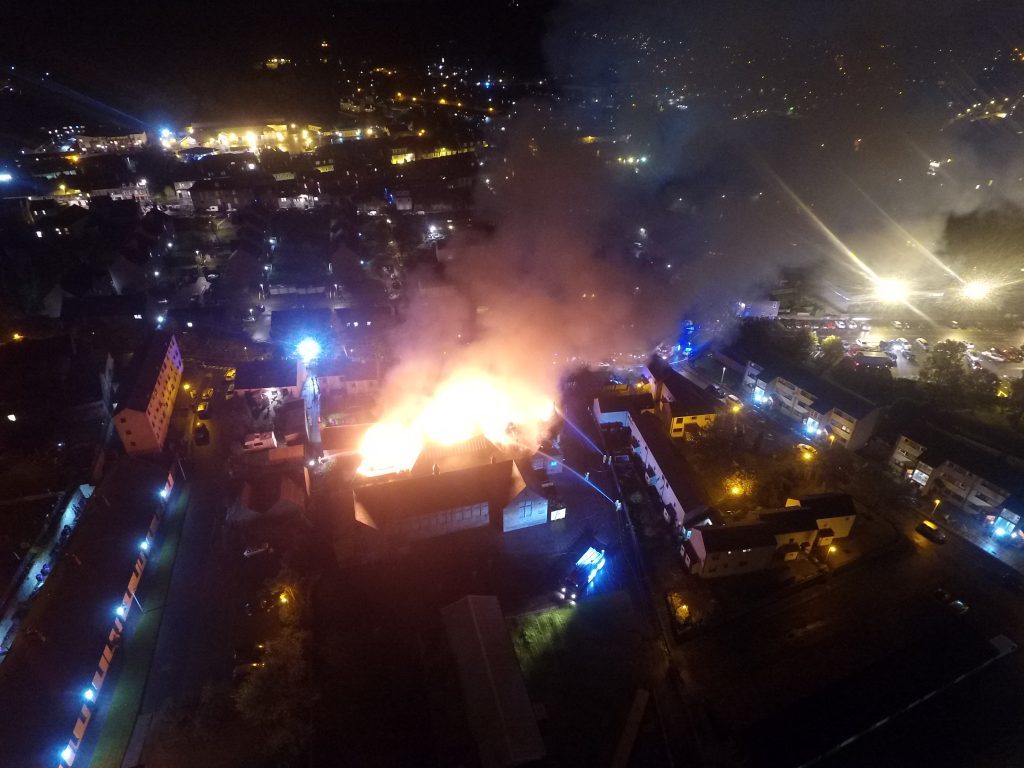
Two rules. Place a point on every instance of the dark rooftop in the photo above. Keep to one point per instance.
(137, 388)
(267, 374)
(498, 707)
(828, 504)
(729, 537)
(677, 470)
(622, 403)
(788, 519)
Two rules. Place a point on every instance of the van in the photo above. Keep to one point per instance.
(259, 441)
(931, 531)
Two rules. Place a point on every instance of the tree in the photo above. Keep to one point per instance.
(1015, 402)
(980, 388)
(831, 351)
(944, 370)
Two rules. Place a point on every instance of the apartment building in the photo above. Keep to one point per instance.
(145, 400)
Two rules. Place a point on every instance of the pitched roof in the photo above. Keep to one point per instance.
(729, 537)
(623, 403)
(267, 374)
(409, 496)
(788, 520)
(497, 705)
(688, 399)
(826, 505)
(678, 473)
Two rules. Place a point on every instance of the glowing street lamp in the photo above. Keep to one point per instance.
(89, 694)
(308, 349)
(890, 291)
(976, 290)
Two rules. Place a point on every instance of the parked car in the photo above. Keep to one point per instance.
(230, 373)
(959, 607)
(923, 343)
(207, 394)
(202, 435)
(909, 356)
(246, 654)
(931, 531)
(258, 549)
(202, 409)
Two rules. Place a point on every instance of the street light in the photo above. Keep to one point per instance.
(144, 545)
(890, 290)
(121, 611)
(976, 290)
(89, 694)
(935, 506)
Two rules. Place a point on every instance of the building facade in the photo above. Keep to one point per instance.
(144, 411)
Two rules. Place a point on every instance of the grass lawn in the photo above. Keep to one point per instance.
(584, 664)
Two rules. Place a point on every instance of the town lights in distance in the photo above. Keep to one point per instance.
(467, 404)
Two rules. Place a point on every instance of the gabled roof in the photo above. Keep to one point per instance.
(624, 403)
(267, 374)
(727, 538)
(826, 505)
(678, 473)
(788, 520)
(409, 496)
(497, 705)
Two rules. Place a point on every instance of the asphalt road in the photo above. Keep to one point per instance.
(783, 651)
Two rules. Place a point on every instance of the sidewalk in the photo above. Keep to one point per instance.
(123, 706)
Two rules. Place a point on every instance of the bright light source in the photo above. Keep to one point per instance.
(89, 694)
(67, 754)
(189, 323)
(17, 336)
(308, 349)
(156, 273)
(164, 493)
(976, 290)
(142, 182)
(121, 611)
(283, 598)
(160, 319)
(5, 177)
(144, 545)
(736, 490)
(165, 132)
(890, 290)
(11, 417)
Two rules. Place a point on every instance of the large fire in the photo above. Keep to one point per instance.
(466, 404)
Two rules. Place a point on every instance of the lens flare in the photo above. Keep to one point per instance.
(890, 290)
(976, 290)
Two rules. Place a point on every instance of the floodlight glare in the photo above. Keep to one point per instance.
(890, 291)
(976, 290)
(308, 349)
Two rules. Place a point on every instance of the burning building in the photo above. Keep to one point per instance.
(471, 484)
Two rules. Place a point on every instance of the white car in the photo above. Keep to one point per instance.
(994, 356)
(258, 549)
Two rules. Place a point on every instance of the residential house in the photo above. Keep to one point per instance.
(145, 399)
(353, 377)
(685, 408)
(453, 488)
(776, 535)
(716, 551)
(834, 513)
(668, 472)
(260, 376)
(965, 474)
(615, 409)
(826, 410)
